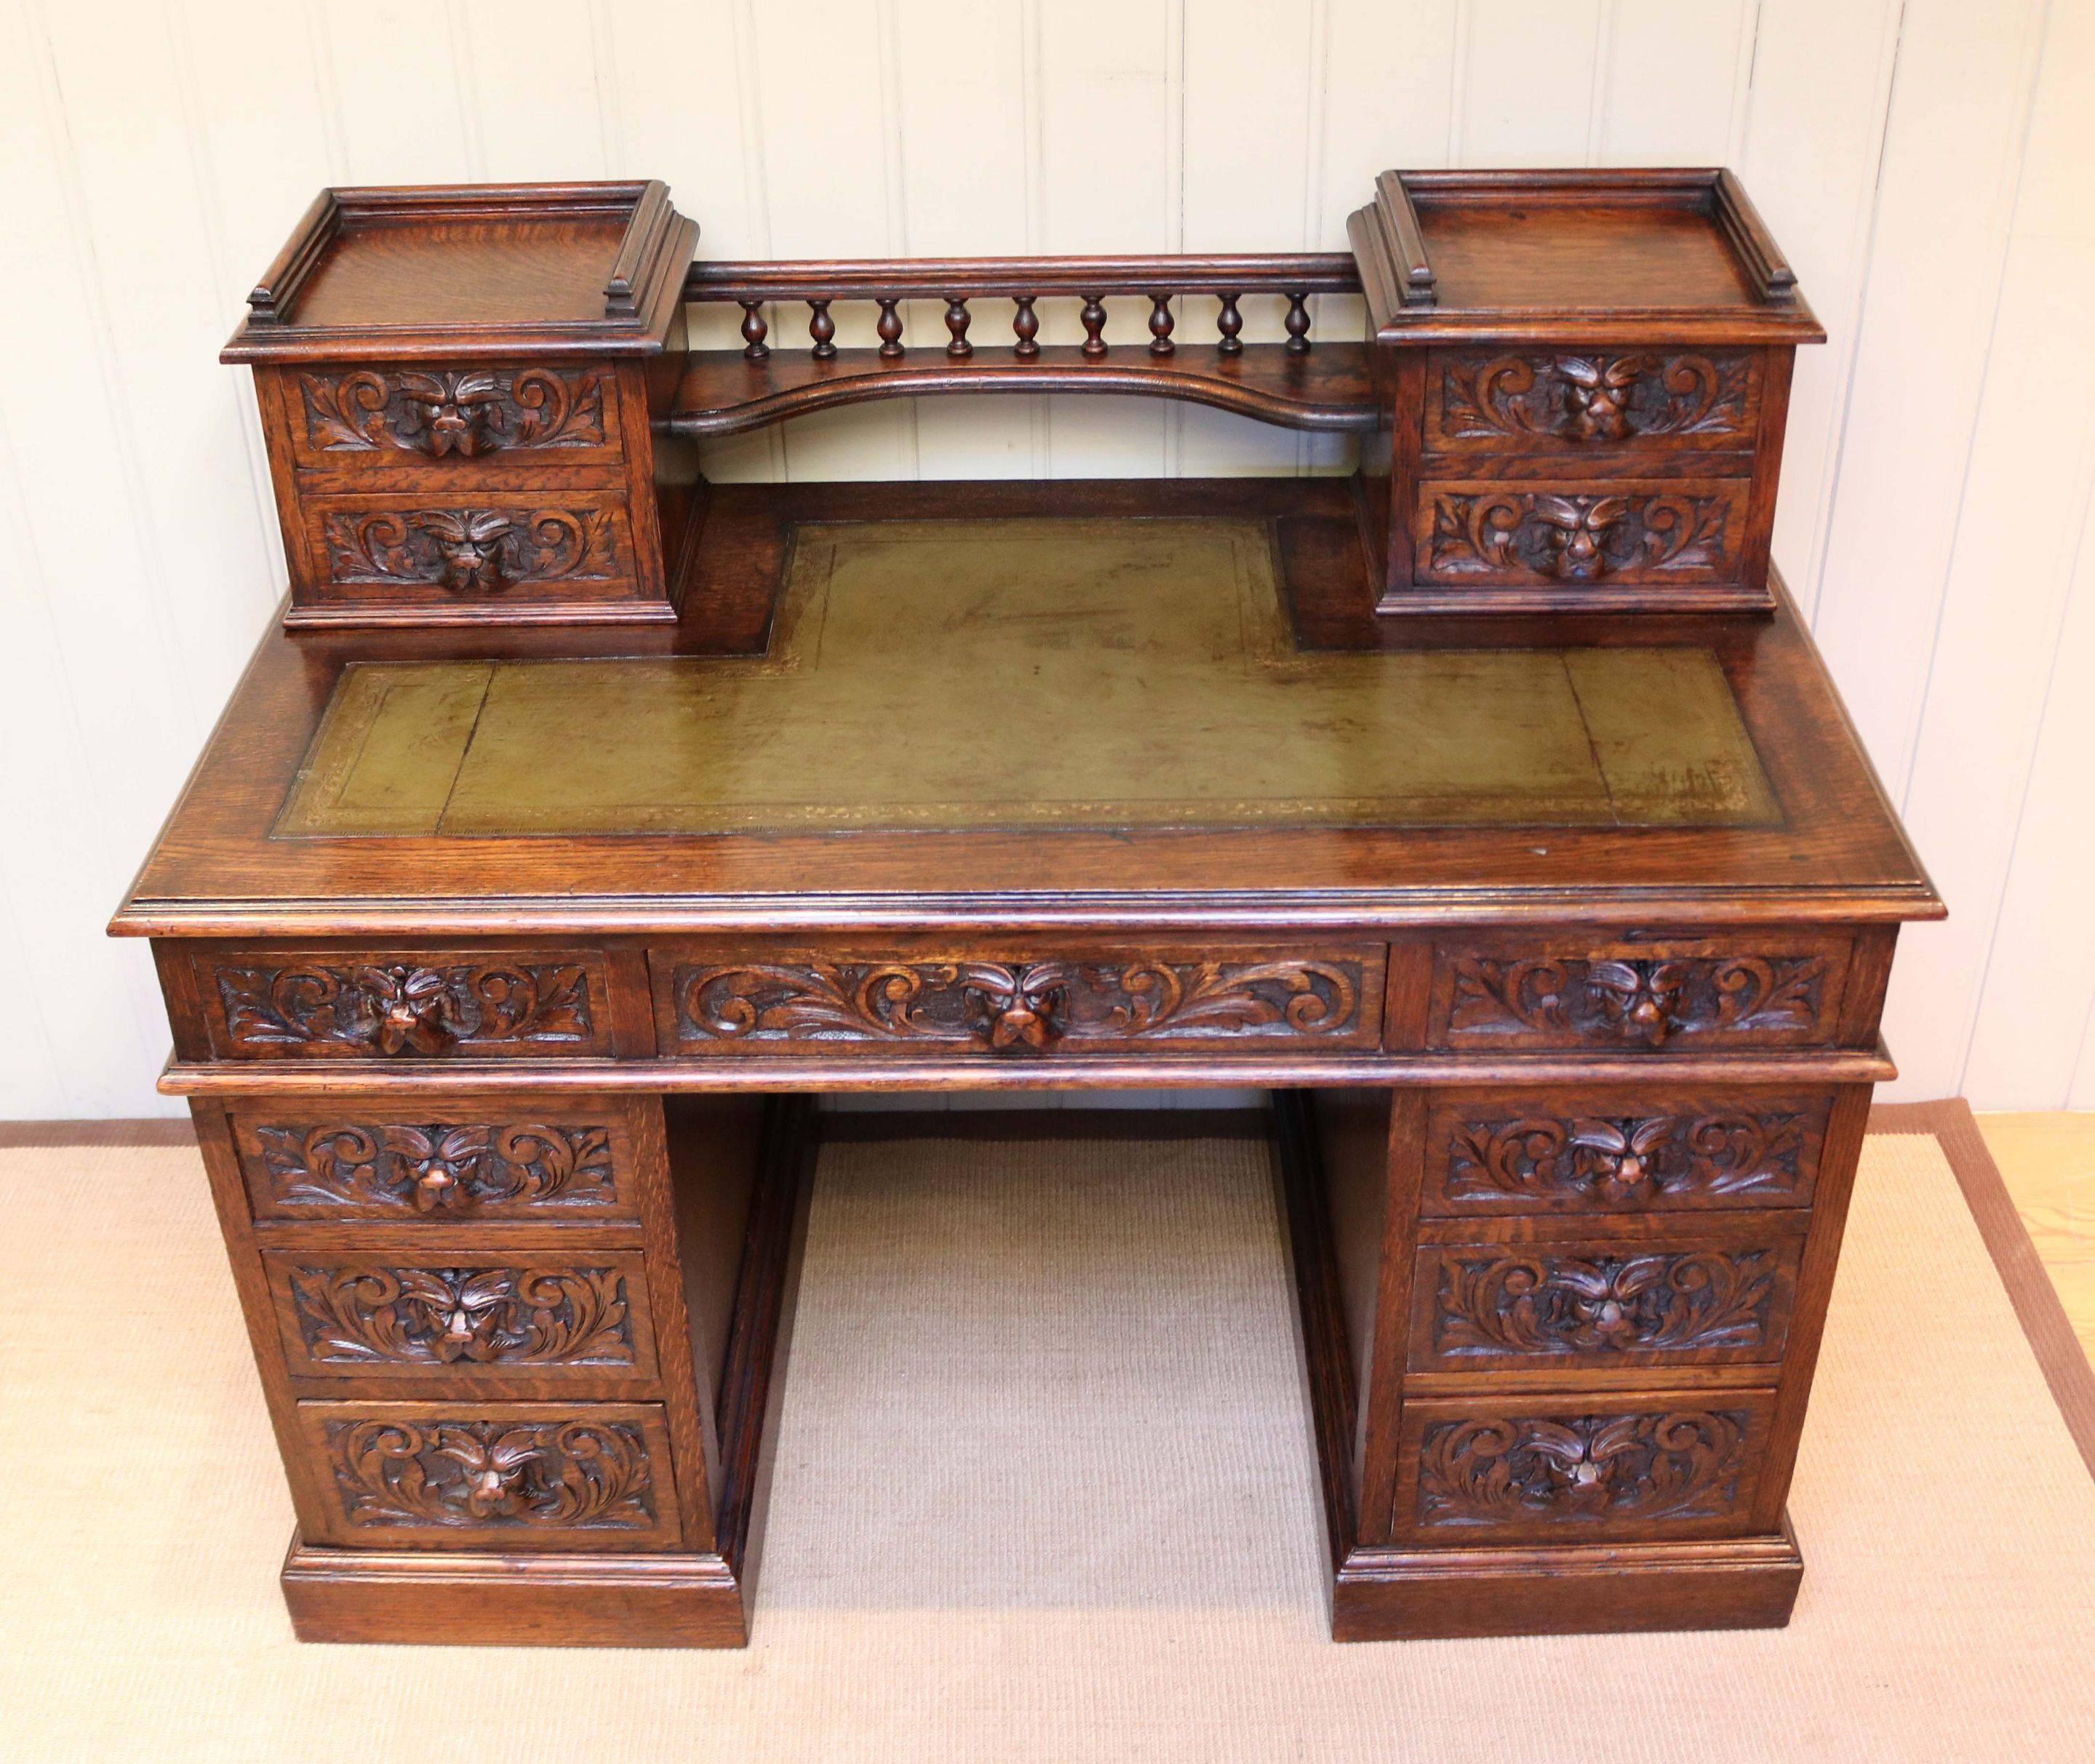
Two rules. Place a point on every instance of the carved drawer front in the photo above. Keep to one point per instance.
(1607, 1467)
(1639, 994)
(1650, 1149)
(1577, 402)
(1595, 1302)
(1021, 1003)
(347, 418)
(505, 1476)
(435, 547)
(407, 1006)
(1490, 533)
(530, 1313)
(442, 1162)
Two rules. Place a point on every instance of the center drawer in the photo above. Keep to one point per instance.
(1011, 999)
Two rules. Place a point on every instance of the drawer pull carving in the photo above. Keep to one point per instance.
(419, 1316)
(469, 413)
(393, 1008)
(563, 1475)
(1620, 1155)
(1645, 1002)
(1680, 1465)
(1536, 1303)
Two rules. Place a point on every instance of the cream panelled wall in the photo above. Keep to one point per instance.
(1929, 166)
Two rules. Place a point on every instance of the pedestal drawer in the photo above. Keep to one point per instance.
(1719, 1295)
(520, 1314)
(439, 1159)
(493, 1476)
(1612, 1467)
(1608, 1151)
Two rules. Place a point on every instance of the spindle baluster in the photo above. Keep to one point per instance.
(754, 329)
(1094, 317)
(823, 329)
(890, 328)
(1229, 323)
(1025, 325)
(956, 321)
(1159, 325)
(1298, 324)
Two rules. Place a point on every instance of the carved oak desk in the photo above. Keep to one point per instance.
(506, 945)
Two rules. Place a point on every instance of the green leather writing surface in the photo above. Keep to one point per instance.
(984, 674)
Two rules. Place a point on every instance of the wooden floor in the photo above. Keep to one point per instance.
(2048, 1161)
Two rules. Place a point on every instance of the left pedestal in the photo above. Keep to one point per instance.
(520, 1351)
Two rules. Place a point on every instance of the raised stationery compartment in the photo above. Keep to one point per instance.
(457, 387)
(1586, 380)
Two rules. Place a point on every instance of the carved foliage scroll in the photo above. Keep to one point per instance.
(1593, 400)
(394, 1008)
(1761, 1154)
(380, 1313)
(475, 1475)
(396, 1167)
(474, 551)
(440, 411)
(1536, 1303)
(1518, 535)
(1019, 1006)
(1604, 1470)
(1637, 1001)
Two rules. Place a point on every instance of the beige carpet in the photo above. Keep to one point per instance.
(1044, 1490)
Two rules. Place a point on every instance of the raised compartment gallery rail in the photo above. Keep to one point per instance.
(1294, 384)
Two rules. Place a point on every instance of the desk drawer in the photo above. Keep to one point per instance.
(1718, 1295)
(1645, 992)
(441, 1160)
(433, 546)
(523, 1313)
(1608, 1151)
(1573, 404)
(506, 1476)
(1008, 999)
(393, 1005)
(1618, 1466)
(1580, 531)
(437, 421)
